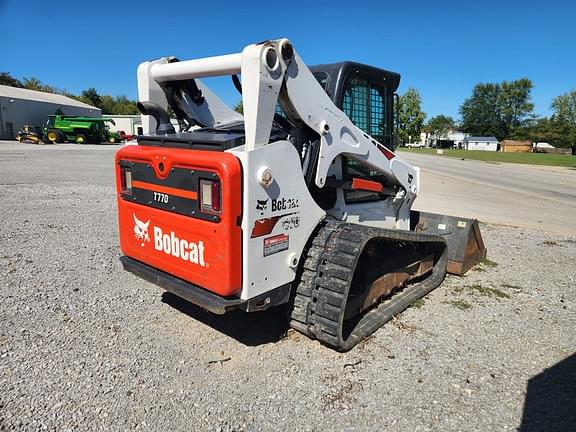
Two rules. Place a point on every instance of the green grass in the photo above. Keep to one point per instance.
(459, 304)
(514, 287)
(489, 156)
(418, 303)
(480, 290)
(484, 262)
(489, 292)
(488, 263)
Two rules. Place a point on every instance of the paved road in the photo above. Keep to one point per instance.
(511, 194)
(89, 164)
(529, 196)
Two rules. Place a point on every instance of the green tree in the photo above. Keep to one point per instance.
(515, 106)
(91, 97)
(35, 84)
(32, 84)
(107, 104)
(411, 117)
(124, 106)
(9, 80)
(120, 105)
(563, 119)
(544, 130)
(481, 112)
(501, 110)
(239, 107)
(440, 125)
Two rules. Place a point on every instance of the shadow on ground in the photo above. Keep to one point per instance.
(252, 329)
(551, 399)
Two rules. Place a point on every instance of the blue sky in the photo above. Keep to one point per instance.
(441, 48)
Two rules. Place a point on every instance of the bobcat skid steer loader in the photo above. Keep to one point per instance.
(301, 200)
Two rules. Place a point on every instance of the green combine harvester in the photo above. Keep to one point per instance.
(63, 128)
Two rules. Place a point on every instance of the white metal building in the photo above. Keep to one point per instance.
(19, 107)
(131, 124)
(481, 143)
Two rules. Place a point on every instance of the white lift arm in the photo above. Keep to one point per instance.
(266, 69)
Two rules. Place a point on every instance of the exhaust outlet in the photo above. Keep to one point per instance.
(163, 125)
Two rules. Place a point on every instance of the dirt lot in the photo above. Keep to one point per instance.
(87, 346)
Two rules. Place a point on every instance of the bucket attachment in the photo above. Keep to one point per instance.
(465, 245)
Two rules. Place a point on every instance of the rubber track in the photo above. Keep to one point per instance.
(324, 282)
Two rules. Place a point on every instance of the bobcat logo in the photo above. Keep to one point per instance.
(262, 204)
(141, 230)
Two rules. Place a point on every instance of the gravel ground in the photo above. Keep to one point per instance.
(87, 346)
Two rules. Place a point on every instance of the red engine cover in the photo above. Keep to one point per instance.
(161, 223)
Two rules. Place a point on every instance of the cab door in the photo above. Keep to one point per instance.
(368, 104)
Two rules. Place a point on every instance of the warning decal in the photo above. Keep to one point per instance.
(275, 244)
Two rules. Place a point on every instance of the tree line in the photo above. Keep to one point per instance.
(108, 104)
(502, 110)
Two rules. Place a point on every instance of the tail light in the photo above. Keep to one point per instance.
(210, 199)
(126, 180)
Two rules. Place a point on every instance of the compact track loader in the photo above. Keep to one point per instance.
(299, 201)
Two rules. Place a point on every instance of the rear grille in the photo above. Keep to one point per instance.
(177, 192)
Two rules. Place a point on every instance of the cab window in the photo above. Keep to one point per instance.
(322, 78)
(365, 104)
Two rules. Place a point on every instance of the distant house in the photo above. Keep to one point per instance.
(513, 146)
(481, 143)
(450, 139)
(456, 138)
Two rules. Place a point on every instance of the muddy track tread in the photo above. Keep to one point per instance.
(324, 283)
